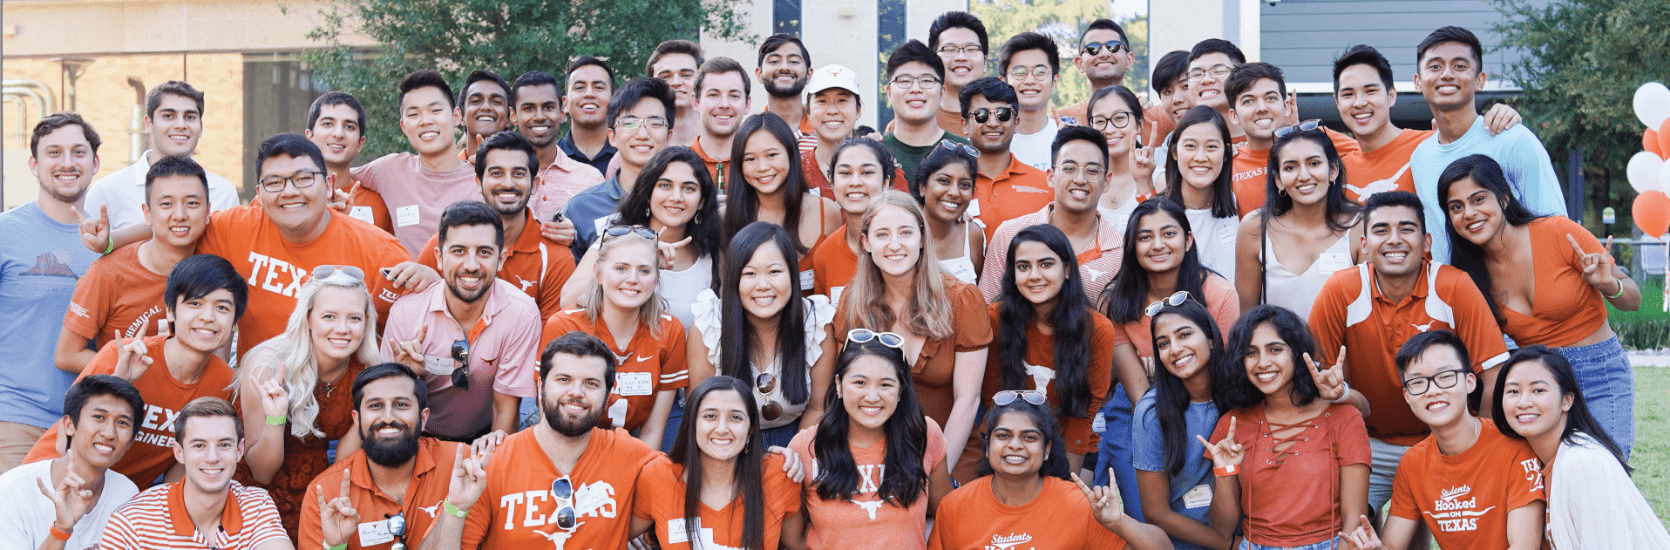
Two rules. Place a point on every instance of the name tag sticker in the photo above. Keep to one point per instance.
(406, 215)
(675, 531)
(373, 533)
(1333, 261)
(806, 280)
(361, 213)
(973, 208)
(1200, 496)
(634, 383)
(590, 498)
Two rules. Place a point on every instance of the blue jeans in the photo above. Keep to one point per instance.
(1331, 544)
(1608, 385)
(1115, 451)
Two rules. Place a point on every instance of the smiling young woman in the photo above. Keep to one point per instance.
(1307, 222)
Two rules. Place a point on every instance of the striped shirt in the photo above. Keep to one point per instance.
(157, 518)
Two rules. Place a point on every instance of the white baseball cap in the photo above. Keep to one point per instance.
(832, 76)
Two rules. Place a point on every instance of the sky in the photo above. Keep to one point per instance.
(1126, 8)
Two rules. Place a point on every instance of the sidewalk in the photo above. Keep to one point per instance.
(1658, 358)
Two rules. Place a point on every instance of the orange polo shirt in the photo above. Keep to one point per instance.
(431, 472)
(537, 266)
(719, 168)
(1018, 191)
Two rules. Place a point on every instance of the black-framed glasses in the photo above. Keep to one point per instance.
(1172, 300)
(1120, 120)
(970, 50)
(1004, 114)
(906, 81)
(328, 270)
(397, 527)
(461, 364)
(1095, 48)
(1444, 380)
(641, 231)
(1038, 72)
(562, 491)
(1218, 71)
(1305, 126)
(1006, 397)
(863, 335)
(302, 180)
(955, 146)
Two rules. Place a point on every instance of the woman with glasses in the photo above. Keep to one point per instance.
(859, 170)
(1173, 474)
(1290, 462)
(944, 187)
(766, 184)
(676, 198)
(773, 336)
(879, 464)
(626, 312)
(900, 288)
(1117, 114)
(1161, 267)
(1307, 223)
(1199, 166)
(1027, 492)
(719, 487)
(331, 336)
(1548, 281)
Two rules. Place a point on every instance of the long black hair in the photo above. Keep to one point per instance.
(703, 229)
(884, 158)
(1465, 255)
(742, 204)
(937, 159)
(746, 477)
(1123, 299)
(1223, 190)
(1055, 459)
(1171, 399)
(1578, 419)
(1340, 210)
(1230, 386)
(735, 358)
(903, 480)
(1070, 320)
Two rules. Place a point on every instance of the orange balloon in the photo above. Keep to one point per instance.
(1652, 213)
(1649, 143)
(1664, 139)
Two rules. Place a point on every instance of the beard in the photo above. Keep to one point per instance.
(792, 90)
(389, 452)
(468, 296)
(566, 426)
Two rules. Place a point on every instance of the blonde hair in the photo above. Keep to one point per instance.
(927, 309)
(650, 313)
(293, 352)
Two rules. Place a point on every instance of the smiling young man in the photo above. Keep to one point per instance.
(676, 62)
(1394, 296)
(1449, 71)
(1104, 56)
(395, 473)
(122, 293)
(64, 503)
(1171, 84)
(484, 104)
(174, 124)
(783, 69)
(915, 83)
(417, 186)
(1031, 64)
(1004, 187)
(959, 38)
(640, 119)
(1210, 63)
(722, 98)
(336, 123)
(535, 265)
(1079, 176)
(591, 83)
(536, 107)
(1259, 105)
(207, 509)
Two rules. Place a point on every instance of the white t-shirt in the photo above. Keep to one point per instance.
(1034, 149)
(26, 515)
(1214, 240)
(124, 191)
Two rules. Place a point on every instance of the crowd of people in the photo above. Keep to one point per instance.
(1193, 321)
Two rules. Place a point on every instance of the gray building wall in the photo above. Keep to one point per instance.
(1304, 36)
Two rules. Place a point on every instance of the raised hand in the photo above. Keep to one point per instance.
(131, 358)
(669, 252)
(559, 231)
(71, 499)
(1363, 538)
(411, 276)
(275, 401)
(1227, 453)
(337, 519)
(95, 232)
(791, 463)
(1105, 503)
(1330, 382)
(469, 479)
(1597, 267)
(410, 352)
(1142, 168)
(343, 201)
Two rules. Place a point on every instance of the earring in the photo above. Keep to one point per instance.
(1282, 192)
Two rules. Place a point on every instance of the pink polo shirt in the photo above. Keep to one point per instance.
(504, 353)
(1098, 265)
(416, 195)
(558, 183)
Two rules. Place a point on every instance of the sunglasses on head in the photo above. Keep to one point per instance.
(1172, 300)
(328, 270)
(889, 339)
(1006, 397)
(1004, 114)
(461, 364)
(641, 231)
(1305, 126)
(964, 147)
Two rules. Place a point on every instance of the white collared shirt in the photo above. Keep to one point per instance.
(123, 191)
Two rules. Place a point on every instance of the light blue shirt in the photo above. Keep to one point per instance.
(1523, 160)
(40, 262)
(1148, 454)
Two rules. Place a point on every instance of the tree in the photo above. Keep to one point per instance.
(508, 37)
(1063, 21)
(1583, 61)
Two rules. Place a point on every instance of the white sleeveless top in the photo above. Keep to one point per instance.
(820, 313)
(1297, 292)
(679, 288)
(962, 267)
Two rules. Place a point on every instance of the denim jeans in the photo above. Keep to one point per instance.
(1608, 385)
(1115, 451)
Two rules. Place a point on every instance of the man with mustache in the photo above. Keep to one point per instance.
(784, 67)
(396, 473)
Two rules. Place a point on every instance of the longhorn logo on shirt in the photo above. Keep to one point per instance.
(1423, 328)
(1379, 186)
(557, 538)
(431, 509)
(869, 506)
(1041, 377)
(1000, 542)
(525, 283)
(1095, 273)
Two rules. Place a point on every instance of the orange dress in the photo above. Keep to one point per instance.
(304, 459)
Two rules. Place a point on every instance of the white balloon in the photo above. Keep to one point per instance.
(1663, 175)
(1644, 173)
(1652, 104)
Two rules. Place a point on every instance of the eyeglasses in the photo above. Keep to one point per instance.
(1091, 173)
(1218, 71)
(639, 230)
(328, 270)
(863, 335)
(1006, 397)
(905, 81)
(631, 123)
(562, 491)
(303, 180)
(1039, 72)
(1004, 114)
(1095, 48)
(1121, 120)
(955, 146)
(397, 527)
(461, 364)
(1305, 126)
(1444, 380)
(1172, 300)
(970, 50)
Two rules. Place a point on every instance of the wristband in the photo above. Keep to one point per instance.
(1345, 397)
(57, 534)
(1620, 289)
(112, 247)
(343, 546)
(454, 511)
(277, 420)
(1226, 471)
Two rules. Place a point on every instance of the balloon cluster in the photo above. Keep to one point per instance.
(1649, 171)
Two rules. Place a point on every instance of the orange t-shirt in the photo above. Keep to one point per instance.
(661, 500)
(1250, 164)
(117, 294)
(1040, 361)
(517, 510)
(1292, 498)
(1351, 311)
(1564, 308)
(1384, 169)
(818, 181)
(1018, 191)
(421, 506)
(646, 367)
(864, 521)
(1465, 499)
(151, 453)
(276, 268)
(950, 121)
(833, 265)
(537, 266)
(935, 367)
(1059, 517)
(1221, 301)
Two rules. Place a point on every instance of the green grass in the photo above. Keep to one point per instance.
(1651, 456)
(1647, 327)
